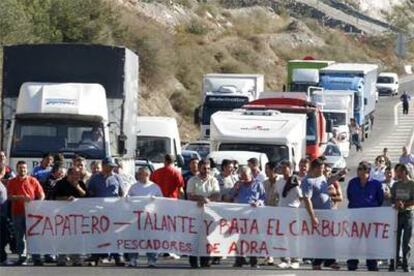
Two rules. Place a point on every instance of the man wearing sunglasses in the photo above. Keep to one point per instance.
(363, 192)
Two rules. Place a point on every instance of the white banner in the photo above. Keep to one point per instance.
(98, 225)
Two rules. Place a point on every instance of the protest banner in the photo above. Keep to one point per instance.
(142, 224)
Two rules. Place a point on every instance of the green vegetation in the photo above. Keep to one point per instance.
(219, 36)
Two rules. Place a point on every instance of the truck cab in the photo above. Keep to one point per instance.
(156, 137)
(279, 135)
(72, 99)
(359, 78)
(225, 92)
(304, 73)
(297, 103)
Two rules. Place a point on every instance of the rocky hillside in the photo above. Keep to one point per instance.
(189, 39)
(178, 41)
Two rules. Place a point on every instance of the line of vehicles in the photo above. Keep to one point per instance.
(83, 99)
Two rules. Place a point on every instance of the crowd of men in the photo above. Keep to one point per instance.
(312, 186)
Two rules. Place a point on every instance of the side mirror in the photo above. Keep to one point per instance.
(329, 125)
(122, 144)
(365, 101)
(180, 161)
(197, 115)
(284, 88)
(396, 82)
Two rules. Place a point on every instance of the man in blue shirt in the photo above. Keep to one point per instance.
(106, 184)
(317, 192)
(247, 191)
(364, 193)
(42, 171)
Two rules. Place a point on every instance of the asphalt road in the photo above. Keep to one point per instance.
(385, 134)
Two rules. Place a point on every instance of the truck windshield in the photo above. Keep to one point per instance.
(300, 87)
(385, 80)
(153, 148)
(212, 104)
(274, 153)
(338, 119)
(33, 138)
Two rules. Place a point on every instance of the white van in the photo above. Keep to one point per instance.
(387, 84)
(157, 136)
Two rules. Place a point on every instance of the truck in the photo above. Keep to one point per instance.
(387, 83)
(73, 99)
(302, 74)
(280, 136)
(156, 137)
(359, 78)
(224, 92)
(339, 108)
(298, 103)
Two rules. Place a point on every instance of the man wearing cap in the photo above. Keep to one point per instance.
(106, 184)
(169, 178)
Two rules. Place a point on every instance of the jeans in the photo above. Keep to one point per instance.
(326, 262)
(204, 261)
(19, 222)
(372, 265)
(405, 228)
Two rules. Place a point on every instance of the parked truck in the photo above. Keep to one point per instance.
(70, 99)
(304, 73)
(359, 78)
(224, 92)
(339, 108)
(279, 135)
(156, 137)
(298, 103)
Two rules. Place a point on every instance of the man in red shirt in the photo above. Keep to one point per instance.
(169, 178)
(23, 188)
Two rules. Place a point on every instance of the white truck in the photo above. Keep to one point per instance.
(225, 92)
(281, 136)
(359, 78)
(156, 137)
(339, 109)
(69, 99)
(387, 84)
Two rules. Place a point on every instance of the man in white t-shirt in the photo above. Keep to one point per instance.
(290, 195)
(144, 187)
(202, 188)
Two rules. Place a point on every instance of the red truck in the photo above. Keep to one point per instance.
(316, 126)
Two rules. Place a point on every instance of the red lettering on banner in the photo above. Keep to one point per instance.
(305, 228)
(58, 222)
(243, 247)
(47, 226)
(238, 226)
(386, 230)
(325, 228)
(377, 225)
(345, 228)
(213, 248)
(276, 231)
(207, 225)
(291, 228)
(38, 218)
(148, 221)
